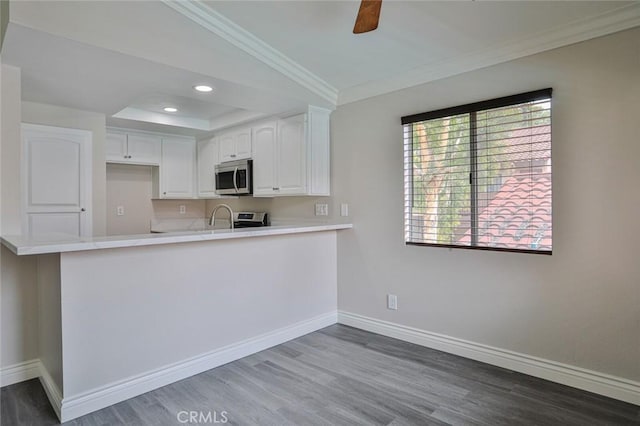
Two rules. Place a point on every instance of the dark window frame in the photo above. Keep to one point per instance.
(472, 109)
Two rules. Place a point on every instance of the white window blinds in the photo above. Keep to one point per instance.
(479, 175)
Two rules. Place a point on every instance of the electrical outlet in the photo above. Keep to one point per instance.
(344, 209)
(120, 210)
(322, 209)
(183, 209)
(392, 302)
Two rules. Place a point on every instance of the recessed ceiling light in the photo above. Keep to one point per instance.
(202, 88)
(170, 109)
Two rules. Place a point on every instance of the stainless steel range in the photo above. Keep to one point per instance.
(250, 219)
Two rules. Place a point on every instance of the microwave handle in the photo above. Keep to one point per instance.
(235, 182)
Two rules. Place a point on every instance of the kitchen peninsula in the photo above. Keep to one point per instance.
(121, 316)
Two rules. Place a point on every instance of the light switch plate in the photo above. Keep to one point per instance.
(344, 209)
(392, 302)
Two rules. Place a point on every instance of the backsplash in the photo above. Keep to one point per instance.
(288, 209)
(170, 209)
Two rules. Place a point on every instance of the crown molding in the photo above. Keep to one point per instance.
(619, 19)
(223, 27)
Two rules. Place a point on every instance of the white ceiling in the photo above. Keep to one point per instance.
(59, 71)
(318, 34)
(434, 39)
(267, 57)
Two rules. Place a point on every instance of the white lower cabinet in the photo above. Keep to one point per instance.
(208, 158)
(177, 168)
(291, 155)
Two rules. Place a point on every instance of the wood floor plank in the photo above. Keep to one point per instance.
(344, 376)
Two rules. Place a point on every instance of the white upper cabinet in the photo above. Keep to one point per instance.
(227, 147)
(144, 149)
(291, 160)
(291, 156)
(133, 148)
(264, 159)
(208, 157)
(235, 145)
(243, 144)
(117, 147)
(318, 145)
(177, 169)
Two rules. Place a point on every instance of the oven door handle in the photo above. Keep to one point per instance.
(235, 182)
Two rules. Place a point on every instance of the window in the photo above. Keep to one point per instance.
(479, 175)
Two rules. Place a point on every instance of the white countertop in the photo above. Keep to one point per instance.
(21, 246)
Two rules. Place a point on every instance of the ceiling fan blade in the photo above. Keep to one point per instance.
(368, 16)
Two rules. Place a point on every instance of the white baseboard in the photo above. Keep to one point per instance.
(592, 381)
(79, 405)
(52, 391)
(20, 372)
(30, 370)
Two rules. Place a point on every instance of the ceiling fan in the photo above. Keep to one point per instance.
(368, 16)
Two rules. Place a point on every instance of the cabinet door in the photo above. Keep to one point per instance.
(116, 148)
(227, 146)
(207, 160)
(177, 168)
(144, 149)
(318, 152)
(291, 156)
(264, 159)
(243, 144)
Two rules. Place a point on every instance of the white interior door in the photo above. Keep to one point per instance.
(56, 169)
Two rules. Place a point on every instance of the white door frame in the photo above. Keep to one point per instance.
(84, 137)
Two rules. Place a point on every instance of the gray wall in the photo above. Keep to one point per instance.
(10, 146)
(18, 301)
(19, 293)
(579, 306)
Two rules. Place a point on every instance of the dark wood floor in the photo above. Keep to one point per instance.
(344, 376)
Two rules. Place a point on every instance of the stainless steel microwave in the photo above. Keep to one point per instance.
(234, 178)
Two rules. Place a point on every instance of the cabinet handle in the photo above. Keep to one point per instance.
(233, 156)
(276, 189)
(83, 209)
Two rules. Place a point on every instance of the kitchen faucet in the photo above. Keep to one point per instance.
(212, 219)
